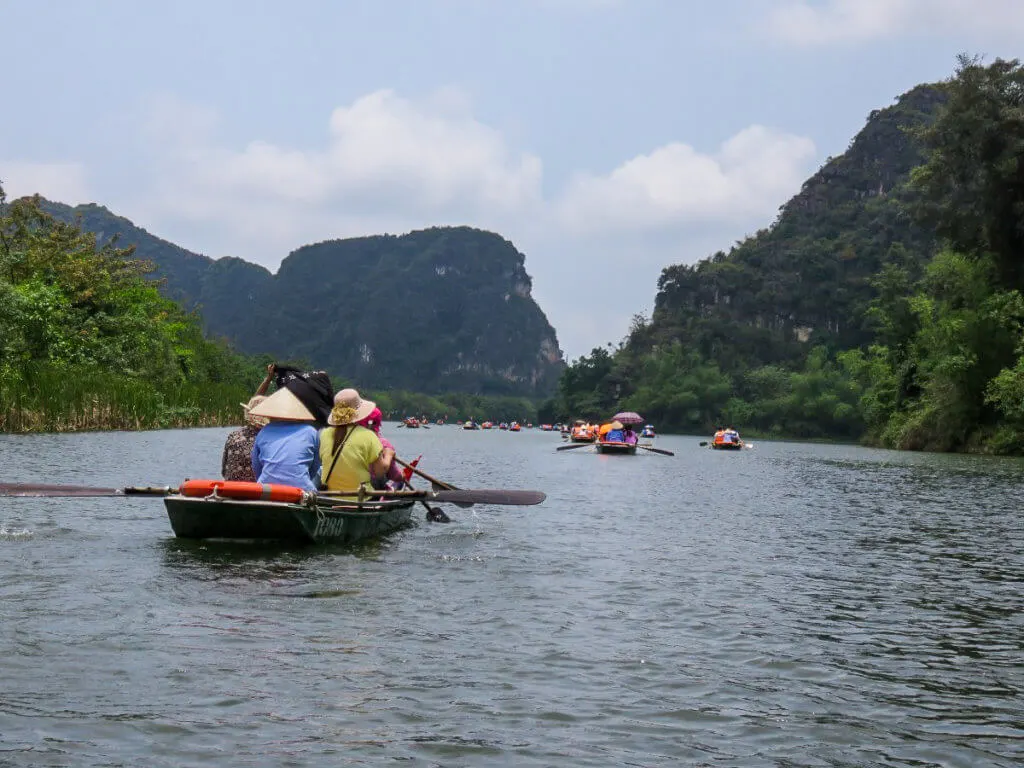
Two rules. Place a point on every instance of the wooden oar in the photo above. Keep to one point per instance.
(499, 497)
(662, 451)
(437, 484)
(42, 489)
(454, 496)
(574, 446)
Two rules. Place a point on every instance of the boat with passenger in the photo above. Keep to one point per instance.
(727, 439)
(648, 431)
(582, 432)
(411, 422)
(616, 438)
(222, 509)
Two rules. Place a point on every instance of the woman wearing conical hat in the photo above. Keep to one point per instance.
(287, 449)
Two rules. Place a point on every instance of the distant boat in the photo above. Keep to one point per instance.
(514, 427)
(487, 425)
(727, 440)
(582, 432)
(471, 425)
(411, 423)
(648, 431)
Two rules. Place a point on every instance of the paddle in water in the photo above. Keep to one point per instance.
(652, 449)
(574, 446)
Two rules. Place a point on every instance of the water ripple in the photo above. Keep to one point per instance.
(794, 605)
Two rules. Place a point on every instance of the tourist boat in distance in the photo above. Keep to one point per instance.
(648, 431)
(616, 447)
(547, 427)
(726, 440)
(514, 427)
(471, 425)
(582, 432)
(208, 509)
(503, 425)
(487, 425)
(411, 422)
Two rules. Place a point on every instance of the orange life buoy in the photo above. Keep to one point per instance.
(236, 489)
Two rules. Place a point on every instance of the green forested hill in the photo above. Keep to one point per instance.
(806, 280)
(883, 303)
(439, 310)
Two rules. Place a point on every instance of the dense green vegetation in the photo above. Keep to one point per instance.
(442, 310)
(87, 342)
(883, 304)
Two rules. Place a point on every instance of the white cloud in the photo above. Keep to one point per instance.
(391, 164)
(836, 21)
(676, 186)
(414, 160)
(64, 182)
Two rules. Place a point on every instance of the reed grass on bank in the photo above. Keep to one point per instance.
(56, 400)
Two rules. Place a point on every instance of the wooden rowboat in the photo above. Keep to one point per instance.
(318, 521)
(615, 446)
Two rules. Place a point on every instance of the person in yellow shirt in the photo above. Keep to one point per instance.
(351, 455)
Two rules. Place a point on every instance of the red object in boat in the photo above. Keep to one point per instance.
(236, 489)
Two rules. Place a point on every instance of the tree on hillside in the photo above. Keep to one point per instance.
(972, 187)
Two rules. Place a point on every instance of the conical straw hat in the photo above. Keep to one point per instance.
(283, 406)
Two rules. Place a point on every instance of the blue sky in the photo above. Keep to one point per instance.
(605, 138)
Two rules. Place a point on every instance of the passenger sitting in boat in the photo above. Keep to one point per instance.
(394, 479)
(287, 450)
(352, 455)
(236, 461)
(615, 434)
(628, 435)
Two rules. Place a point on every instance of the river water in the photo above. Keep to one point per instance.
(790, 605)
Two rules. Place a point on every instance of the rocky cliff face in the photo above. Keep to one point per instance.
(438, 310)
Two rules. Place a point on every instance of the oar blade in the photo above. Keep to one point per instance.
(45, 489)
(487, 496)
(662, 451)
(574, 446)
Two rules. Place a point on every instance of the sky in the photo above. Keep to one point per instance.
(606, 139)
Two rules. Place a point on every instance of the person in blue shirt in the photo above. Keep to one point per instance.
(615, 434)
(287, 449)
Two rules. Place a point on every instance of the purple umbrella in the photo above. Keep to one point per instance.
(628, 417)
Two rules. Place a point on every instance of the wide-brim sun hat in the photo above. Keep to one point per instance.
(616, 425)
(349, 408)
(283, 405)
(250, 418)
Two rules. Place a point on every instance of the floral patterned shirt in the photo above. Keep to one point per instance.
(236, 463)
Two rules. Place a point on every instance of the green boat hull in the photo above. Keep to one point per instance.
(343, 523)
